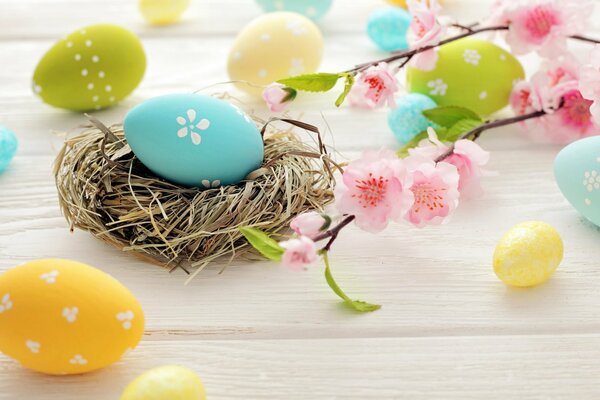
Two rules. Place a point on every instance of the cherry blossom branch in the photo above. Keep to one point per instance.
(585, 39)
(411, 53)
(476, 132)
(333, 233)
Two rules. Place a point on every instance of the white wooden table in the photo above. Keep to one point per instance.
(448, 328)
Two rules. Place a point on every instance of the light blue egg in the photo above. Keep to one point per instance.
(194, 140)
(577, 172)
(8, 147)
(387, 28)
(313, 9)
(407, 119)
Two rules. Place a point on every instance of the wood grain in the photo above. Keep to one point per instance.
(448, 328)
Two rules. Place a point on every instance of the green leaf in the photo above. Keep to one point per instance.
(447, 116)
(320, 82)
(357, 305)
(414, 142)
(461, 127)
(262, 242)
(347, 87)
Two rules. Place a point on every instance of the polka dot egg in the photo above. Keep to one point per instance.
(272, 47)
(92, 68)
(471, 73)
(407, 120)
(387, 28)
(63, 317)
(170, 382)
(313, 9)
(194, 140)
(163, 12)
(8, 147)
(528, 254)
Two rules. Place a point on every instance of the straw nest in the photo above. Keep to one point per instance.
(104, 189)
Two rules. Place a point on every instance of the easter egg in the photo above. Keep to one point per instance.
(8, 147)
(387, 28)
(470, 73)
(63, 317)
(163, 12)
(407, 120)
(272, 47)
(92, 68)
(577, 172)
(168, 382)
(194, 140)
(528, 254)
(313, 9)
(402, 3)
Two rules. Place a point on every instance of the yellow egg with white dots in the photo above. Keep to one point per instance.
(272, 47)
(163, 12)
(170, 382)
(63, 317)
(528, 254)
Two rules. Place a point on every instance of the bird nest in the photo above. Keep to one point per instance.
(104, 189)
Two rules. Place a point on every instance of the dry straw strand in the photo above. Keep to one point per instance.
(104, 189)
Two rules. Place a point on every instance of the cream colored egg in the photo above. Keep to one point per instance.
(63, 317)
(272, 47)
(163, 12)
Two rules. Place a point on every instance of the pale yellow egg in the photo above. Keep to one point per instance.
(272, 47)
(63, 317)
(402, 3)
(528, 254)
(170, 382)
(163, 12)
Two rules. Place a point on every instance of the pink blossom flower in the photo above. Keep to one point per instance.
(277, 96)
(375, 190)
(555, 85)
(425, 30)
(435, 190)
(374, 88)
(468, 158)
(589, 84)
(309, 224)
(542, 25)
(299, 252)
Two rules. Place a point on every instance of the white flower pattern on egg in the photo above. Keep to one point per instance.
(78, 359)
(591, 180)
(6, 303)
(296, 26)
(50, 277)
(126, 317)
(297, 67)
(208, 184)
(33, 346)
(70, 314)
(471, 57)
(438, 87)
(189, 127)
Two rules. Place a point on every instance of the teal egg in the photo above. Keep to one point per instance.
(313, 9)
(407, 119)
(8, 147)
(387, 28)
(577, 172)
(194, 140)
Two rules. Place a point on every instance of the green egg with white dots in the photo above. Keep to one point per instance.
(470, 73)
(92, 68)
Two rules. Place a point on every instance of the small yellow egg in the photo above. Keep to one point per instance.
(402, 3)
(170, 382)
(528, 254)
(163, 12)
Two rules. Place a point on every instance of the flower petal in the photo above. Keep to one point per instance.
(196, 139)
(206, 183)
(191, 115)
(182, 132)
(181, 121)
(216, 183)
(203, 124)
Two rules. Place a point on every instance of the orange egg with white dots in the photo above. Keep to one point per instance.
(63, 317)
